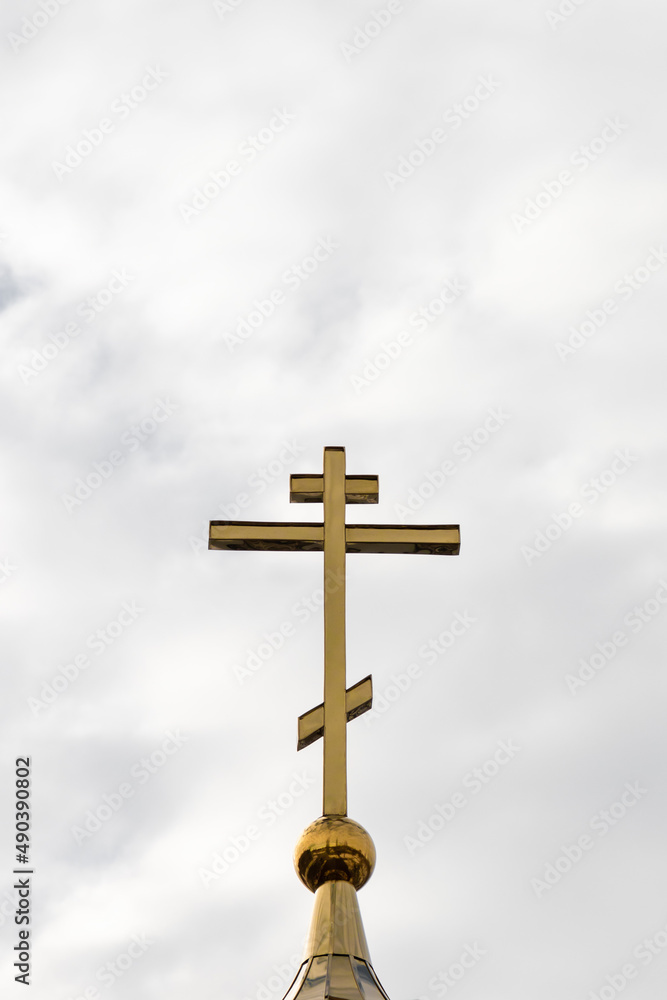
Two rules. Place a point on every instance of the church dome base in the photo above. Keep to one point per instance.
(337, 964)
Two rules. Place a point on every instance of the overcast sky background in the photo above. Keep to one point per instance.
(171, 274)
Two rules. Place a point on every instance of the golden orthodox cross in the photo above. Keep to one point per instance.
(333, 537)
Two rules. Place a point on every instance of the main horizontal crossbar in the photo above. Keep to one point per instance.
(438, 539)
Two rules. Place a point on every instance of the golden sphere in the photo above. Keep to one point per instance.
(334, 848)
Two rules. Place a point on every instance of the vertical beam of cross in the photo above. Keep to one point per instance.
(335, 717)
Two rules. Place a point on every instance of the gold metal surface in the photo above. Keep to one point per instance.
(332, 849)
(310, 489)
(336, 977)
(291, 537)
(337, 964)
(336, 927)
(443, 540)
(335, 718)
(358, 699)
(334, 489)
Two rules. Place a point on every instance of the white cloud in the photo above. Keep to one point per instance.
(64, 574)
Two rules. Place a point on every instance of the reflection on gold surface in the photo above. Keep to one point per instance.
(334, 848)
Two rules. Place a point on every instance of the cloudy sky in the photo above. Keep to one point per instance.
(435, 233)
